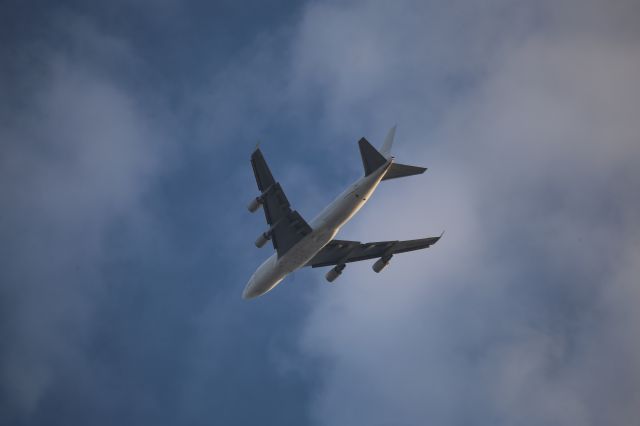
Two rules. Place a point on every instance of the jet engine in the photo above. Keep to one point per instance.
(258, 201)
(381, 263)
(255, 204)
(263, 238)
(334, 273)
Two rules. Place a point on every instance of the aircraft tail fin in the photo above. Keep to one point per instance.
(371, 158)
(388, 142)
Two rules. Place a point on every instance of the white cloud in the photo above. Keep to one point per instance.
(517, 315)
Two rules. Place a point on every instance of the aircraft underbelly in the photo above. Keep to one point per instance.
(274, 269)
(302, 252)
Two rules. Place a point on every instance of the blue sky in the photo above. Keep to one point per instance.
(126, 130)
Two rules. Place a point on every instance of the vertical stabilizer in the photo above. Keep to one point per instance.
(388, 142)
(371, 158)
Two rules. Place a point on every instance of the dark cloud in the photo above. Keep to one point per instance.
(78, 153)
(120, 303)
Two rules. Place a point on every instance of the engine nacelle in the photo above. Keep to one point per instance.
(258, 201)
(262, 239)
(254, 205)
(334, 273)
(381, 264)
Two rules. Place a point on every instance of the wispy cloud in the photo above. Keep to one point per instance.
(517, 314)
(124, 177)
(78, 154)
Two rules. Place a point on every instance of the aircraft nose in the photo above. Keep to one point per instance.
(249, 293)
(246, 294)
(249, 290)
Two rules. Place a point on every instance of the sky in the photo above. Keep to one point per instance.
(126, 130)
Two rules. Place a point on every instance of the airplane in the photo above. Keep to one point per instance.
(298, 243)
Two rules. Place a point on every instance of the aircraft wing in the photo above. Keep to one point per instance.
(287, 227)
(339, 252)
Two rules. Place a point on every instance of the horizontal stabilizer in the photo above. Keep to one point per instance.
(401, 170)
(371, 158)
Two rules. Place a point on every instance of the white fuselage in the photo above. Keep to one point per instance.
(324, 228)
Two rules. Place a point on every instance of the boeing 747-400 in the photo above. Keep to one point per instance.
(298, 243)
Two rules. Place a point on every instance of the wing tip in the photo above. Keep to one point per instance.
(438, 238)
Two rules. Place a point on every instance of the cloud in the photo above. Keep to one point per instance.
(78, 155)
(124, 223)
(118, 301)
(518, 314)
